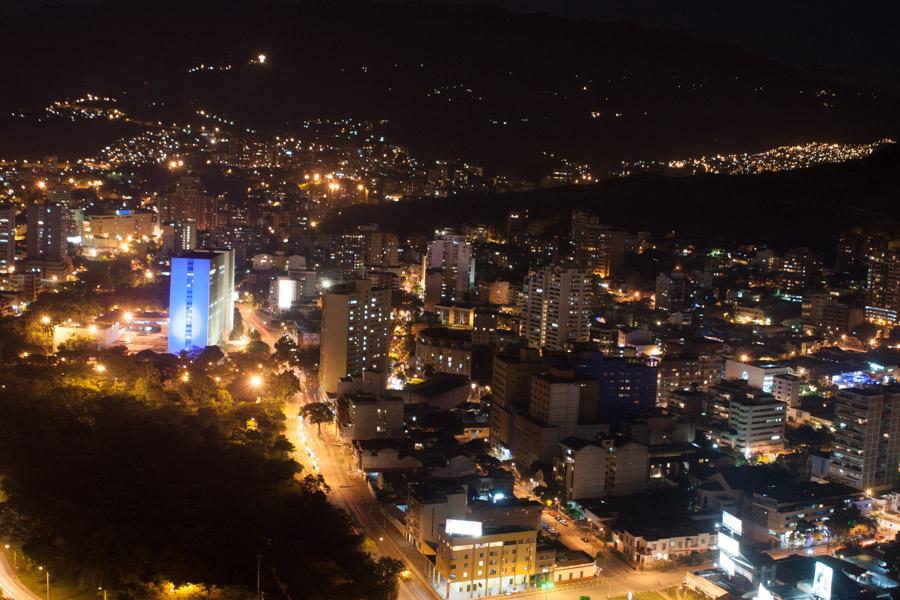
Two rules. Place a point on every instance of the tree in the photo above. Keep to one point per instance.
(317, 413)
(848, 523)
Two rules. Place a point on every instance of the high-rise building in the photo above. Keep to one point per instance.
(866, 444)
(383, 249)
(511, 392)
(448, 270)
(556, 307)
(46, 235)
(189, 201)
(201, 299)
(356, 325)
(883, 284)
(800, 268)
(348, 252)
(7, 238)
(598, 248)
(671, 291)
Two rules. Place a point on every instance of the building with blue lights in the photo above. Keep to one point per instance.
(201, 299)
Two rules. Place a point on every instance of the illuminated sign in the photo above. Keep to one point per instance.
(821, 587)
(728, 545)
(287, 291)
(460, 527)
(726, 564)
(732, 522)
(764, 594)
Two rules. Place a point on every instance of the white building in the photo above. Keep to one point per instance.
(757, 424)
(757, 374)
(555, 309)
(786, 388)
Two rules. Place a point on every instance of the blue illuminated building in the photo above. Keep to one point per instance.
(201, 299)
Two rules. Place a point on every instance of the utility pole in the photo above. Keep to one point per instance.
(258, 566)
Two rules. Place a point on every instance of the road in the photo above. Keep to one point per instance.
(257, 320)
(10, 586)
(348, 491)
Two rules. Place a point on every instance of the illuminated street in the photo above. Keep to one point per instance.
(10, 586)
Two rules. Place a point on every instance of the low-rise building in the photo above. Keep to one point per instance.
(370, 416)
(648, 544)
(476, 562)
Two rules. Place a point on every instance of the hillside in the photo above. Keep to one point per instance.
(514, 92)
(794, 208)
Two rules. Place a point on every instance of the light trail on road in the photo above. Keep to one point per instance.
(10, 585)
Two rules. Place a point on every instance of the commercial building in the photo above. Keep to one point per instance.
(756, 424)
(758, 374)
(201, 299)
(671, 291)
(866, 447)
(626, 386)
(556, 307)
(356, 326)
(473, 561)
(608, 466)
(121, 226)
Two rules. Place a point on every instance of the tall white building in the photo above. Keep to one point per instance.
(356, 325)
(556, 307)
(448, 271)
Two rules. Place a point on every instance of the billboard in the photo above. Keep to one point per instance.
(728, 545)
(460, 527)
(821, 587)
(726, 564)
(732, 522)
(287, 292)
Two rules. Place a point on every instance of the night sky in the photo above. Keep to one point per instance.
(851, 42)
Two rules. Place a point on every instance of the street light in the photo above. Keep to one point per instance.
(47, 572)
(255, 381)
(15, 561)
(45, 320)
(546, 586)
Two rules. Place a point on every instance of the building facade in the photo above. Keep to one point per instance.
(201, 300)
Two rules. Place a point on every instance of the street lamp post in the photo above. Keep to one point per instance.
(47, 573)
(15, 560)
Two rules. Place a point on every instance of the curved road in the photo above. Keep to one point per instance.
(10, 586)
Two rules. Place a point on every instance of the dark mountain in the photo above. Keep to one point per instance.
(510, 91)
(808, 207)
